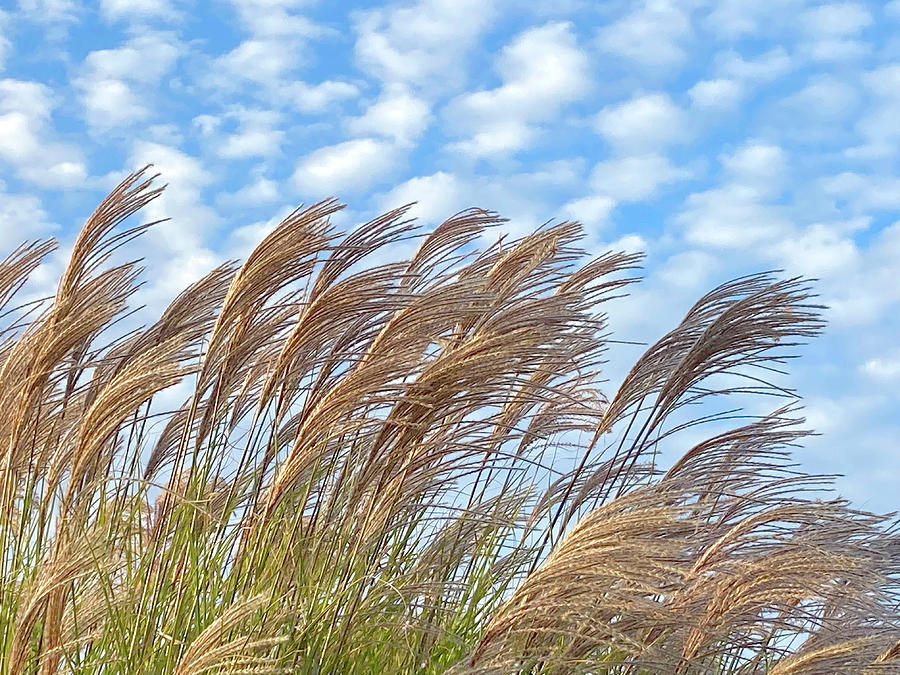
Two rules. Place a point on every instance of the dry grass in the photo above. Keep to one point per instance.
(409, 468)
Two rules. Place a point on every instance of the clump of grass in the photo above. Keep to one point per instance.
(409, 467)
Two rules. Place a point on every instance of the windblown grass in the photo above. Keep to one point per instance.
(409, 468)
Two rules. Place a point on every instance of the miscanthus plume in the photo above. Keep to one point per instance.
(413, 466)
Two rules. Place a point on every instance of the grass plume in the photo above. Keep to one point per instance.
(411, 467)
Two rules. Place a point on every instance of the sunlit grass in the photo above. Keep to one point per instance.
(411, 468)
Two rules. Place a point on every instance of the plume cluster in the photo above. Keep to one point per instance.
(412, 467)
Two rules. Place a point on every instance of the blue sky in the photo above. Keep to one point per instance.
(719, 136)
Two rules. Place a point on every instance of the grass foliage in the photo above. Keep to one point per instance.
(410, 467)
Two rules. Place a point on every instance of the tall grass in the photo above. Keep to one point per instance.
(409, 468)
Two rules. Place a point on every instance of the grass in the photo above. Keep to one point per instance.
(409, 467)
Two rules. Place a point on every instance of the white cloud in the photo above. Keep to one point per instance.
(264, 61)
(313, 98)
(635, 178)
(836, 49)
(437, 197)
(831, 415)
(260, 192)
(718, 93)
(5, 43)
(207, 125)
(818, 251)
(732, 216)
(542, 71)
(878, 127)
(688, 270)
(242, 240)
(873, 290)
(59, 171)
(832, 31)
(824, 97)
(756, 164)
(884, 82)
(182, 200)
(885, 367)
(26, 137)
(129, 10)
(276, 18)
(653, 35)
(146, 58)
(592, 211)
(734, 19)
(892, 9)
(257, 135)
(345, 167)
(397, 114)
(865, 290)
(565, 173)
(864, 192)
(629, 243)
(111, 103)
(114, 82)
(524, 198)
(165, 133)
(23, 219)
(840, 18)
(858, 440)
(424, 44)
(278, 41)
(176, 249)
(49, 10)
(19, 141)
(30, 99)
(501, 138)
(645, 123)
(737, 214)
(766, 67)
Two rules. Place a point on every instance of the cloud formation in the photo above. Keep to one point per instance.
(721, 137)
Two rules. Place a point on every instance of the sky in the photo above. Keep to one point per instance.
(720, 137)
